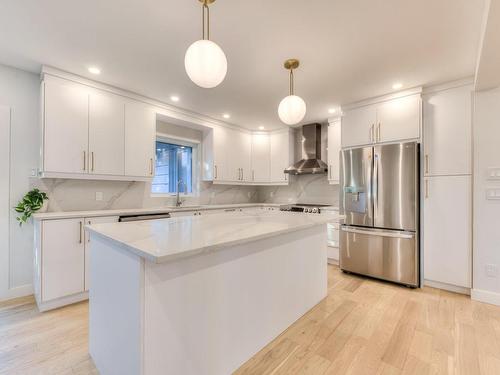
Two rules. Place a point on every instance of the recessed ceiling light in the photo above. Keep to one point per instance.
(332, 110)
(261, 127)
(397, 86)
(174, 98)
(94, 70)
(226, 115)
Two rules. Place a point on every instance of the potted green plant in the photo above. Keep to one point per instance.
(29, 204)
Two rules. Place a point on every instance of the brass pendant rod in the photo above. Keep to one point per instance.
(291, 81)
(206, 10)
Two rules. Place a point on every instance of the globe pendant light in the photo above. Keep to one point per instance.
(292, 109)
(205, 62)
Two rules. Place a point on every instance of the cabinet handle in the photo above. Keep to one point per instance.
(286, 176)
(426, 188)
(330, 171)
(151, 166)
(81, 229)
(215, 172)
(242, 177)
(92, 161)
(370, 133)
(253, 175)
(88, 234)
(426, 163)
(378, 132)
(84, 160)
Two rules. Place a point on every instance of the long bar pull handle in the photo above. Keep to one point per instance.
(426, 188)
(215, 169)
(378, 132)
(378, 233)
(84, 160)
(253, 175)
(81, 229)
(92, 161)
(88, 234)
(371, 133)
(242, 176)
(151, 166)
(426, 163)
(375, 186)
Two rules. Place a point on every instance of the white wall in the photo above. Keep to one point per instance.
(486, 212)
(19, 91)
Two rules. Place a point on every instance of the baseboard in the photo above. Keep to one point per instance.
(486, 296)
(17, 292)
(60, 302)
(447, 287)
(333, 261)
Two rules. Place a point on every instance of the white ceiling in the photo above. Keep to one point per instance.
(349, 49)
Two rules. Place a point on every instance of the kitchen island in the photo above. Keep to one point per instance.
(200, 294)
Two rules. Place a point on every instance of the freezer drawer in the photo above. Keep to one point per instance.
(388, 255)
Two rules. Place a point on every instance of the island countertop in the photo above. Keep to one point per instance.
(175, 238)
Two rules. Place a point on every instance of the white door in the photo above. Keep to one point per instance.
(261, 154)
(90, 221)
(106, 134)
(358, 126)
(63, 258)
(447, 230)
(334, 151)
(398, 119)
(221, 143)
(140, 136)
(65, 137)
(5, 208)
(280, 155)
(447, 132)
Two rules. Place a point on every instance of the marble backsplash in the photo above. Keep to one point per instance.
(309, 188)
(80, 195)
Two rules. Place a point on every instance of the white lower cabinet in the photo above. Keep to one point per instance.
(447, 230)
(333, 243)
(61, 260)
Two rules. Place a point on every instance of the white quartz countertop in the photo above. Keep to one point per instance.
(144, 211)
(180, 237)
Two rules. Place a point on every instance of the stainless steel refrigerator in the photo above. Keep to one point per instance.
(380, 201)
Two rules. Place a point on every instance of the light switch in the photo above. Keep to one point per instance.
(493, 193)
(493, 173)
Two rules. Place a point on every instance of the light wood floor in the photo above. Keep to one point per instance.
(362, 327)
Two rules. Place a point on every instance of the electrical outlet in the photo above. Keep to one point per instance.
(34, 172)
(491, 270)
(99, 196)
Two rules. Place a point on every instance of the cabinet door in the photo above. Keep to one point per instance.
(140, 136)
(220, 147)
(358, 126)
(447, 132)
(90, 221)
(63, 258)
(447, 230)
(65, 136)
(245, 152)
(106, 134)
(261, 153)
(334, 152)
(398, 119)
(280, 155)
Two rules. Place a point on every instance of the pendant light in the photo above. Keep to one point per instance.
(292, 109)
(205, 62)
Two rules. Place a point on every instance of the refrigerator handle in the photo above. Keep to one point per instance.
(377, 233)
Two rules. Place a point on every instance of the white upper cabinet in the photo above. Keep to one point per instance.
(388, 121)
(281, 149)
(447, 132)
(140, 136)
(241, 156)
(261, 157)
(106, 134)
(220, 138)
(358, 126)
(65, 126)
(334, 135)
(398, 119)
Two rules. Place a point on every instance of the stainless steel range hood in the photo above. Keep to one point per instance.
(311, 152)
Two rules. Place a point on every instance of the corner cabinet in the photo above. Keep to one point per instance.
(89, 133)
(334, 140)
(61, 261)
(390, 120)
(237, 157)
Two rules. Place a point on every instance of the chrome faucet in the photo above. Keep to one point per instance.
(178, 201)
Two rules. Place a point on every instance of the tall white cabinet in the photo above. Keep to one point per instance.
(334, 146)
(447, 188)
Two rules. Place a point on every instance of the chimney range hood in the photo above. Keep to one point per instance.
(311, 162)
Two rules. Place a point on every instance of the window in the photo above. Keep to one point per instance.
(174, 167)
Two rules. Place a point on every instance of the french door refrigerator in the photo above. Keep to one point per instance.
(380, 201)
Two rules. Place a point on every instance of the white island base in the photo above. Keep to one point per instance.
(206, 314)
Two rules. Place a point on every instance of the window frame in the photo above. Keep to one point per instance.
(195, 163)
